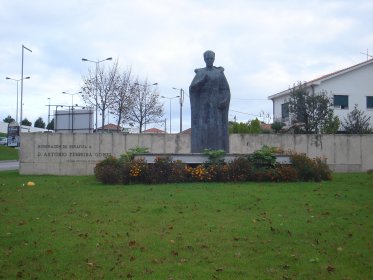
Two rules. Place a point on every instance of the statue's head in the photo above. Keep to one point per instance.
(209, 57)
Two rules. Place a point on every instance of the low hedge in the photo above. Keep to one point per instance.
(259, 166)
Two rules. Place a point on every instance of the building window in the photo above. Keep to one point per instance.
(341, 101)
(369, 102)
(285, 112)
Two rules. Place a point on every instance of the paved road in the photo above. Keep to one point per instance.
(9, 165)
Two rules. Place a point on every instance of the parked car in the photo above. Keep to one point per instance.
(3, 141)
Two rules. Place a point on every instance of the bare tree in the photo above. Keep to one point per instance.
(145, 106)
(122, 97)
(99, 88)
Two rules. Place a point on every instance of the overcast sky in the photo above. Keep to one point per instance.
(264, 46)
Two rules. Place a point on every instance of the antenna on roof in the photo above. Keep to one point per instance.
(367, 54)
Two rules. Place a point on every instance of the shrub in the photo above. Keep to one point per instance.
(310, 169)
(277, 126)
(214, 156)
(200, 174)
(286, 173)
(218, 172)
(180, 172)
(159, 172)
(130, 154)
(240, 169)
(108, 171)
(263, 158)
(137, 171)
(125, 172)
(322, 169)
(260, 166)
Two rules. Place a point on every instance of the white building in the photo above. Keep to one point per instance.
(346, 87)
(25, 128)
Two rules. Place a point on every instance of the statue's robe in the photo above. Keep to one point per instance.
(209, 100)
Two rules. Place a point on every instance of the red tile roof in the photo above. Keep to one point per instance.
(335, 73)
(187, 131)
(110, 126)
(324, 77)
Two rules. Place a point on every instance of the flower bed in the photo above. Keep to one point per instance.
(259, 166)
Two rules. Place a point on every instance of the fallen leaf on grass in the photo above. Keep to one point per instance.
(148, 271)
(330, 268)
(219, 269)
(132, 243)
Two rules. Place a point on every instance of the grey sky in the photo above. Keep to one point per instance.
(264, 46)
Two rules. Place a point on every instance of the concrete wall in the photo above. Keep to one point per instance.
(77, 154)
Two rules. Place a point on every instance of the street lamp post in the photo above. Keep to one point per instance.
(72, 96)
(181, 100)
(97, 63)
(17, 80)
(49, 111)
(170, 98)
(23, 47)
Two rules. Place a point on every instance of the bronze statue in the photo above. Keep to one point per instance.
(209, 100)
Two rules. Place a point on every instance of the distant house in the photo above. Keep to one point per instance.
(24, 128)
(346, 87)
(110, 127)
(153, 130)
(187, 131)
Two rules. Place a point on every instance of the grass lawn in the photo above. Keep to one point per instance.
(76, 228)
(8, 153)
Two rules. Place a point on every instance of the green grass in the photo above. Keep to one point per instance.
(76, 228)
(3, 134)
(8, 153)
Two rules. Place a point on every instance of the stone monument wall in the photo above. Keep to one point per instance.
(78, 153)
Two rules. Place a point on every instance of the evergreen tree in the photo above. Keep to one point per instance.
(8, 119)
(277, 126)
(331, 126)
(50, 125)
(39, 123)
(357, 122)
(245, 128)
(26, 122)
(311, 109)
